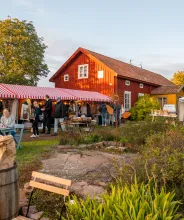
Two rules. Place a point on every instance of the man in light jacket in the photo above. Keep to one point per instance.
(59, 114)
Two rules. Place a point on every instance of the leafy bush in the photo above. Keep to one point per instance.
(143, 107)
(129, 202)
(161, 158)
(97, 136)
(165, 157)
(135, 134)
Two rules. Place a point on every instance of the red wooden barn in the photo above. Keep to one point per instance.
(87, 70)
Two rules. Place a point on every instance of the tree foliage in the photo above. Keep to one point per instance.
(178, 78)
(143, 107)
(21, 53)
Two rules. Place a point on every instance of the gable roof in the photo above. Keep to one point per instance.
(174, 89)
(121, 68)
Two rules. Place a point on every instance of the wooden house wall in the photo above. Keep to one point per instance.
(92, 83)
(134, 88)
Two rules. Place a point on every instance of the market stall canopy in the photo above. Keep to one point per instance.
(5, 93)
(87, 95)
(56, 92)
(33, 92)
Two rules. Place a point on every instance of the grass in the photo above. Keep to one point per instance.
(30, 155)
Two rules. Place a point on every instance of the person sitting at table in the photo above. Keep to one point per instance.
(8, 120)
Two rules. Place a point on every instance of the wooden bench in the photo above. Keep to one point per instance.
(21, 218)
(47, 187)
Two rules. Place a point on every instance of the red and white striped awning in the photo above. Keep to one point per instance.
(33, 92)
(5, 93)
(56, 92)
(22, 92)
(87, 95)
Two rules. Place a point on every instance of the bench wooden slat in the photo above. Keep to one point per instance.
(49, 188)
(21, 218)
(51, 178)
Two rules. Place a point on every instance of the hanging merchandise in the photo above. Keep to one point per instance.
(84, 109)
(24, 111)
(14, 108)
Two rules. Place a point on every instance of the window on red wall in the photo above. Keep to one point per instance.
(66, 77)
(127, 100)
(83, 71)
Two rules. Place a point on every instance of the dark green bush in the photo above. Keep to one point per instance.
(135, 134)
(160, 158)
(100, 134)
(165, 156)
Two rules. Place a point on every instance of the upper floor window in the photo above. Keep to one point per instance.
(83, 71)
(100, 74)
(127, 82)
(141, 85)
(66, 77)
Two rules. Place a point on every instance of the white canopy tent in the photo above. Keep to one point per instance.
(181, 109)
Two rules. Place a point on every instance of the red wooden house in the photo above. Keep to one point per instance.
(87, 70)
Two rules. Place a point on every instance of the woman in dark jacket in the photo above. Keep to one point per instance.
(37, 112)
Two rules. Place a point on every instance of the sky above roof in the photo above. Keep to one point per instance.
(147, 32)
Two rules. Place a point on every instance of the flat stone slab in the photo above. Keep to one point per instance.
(90, 171)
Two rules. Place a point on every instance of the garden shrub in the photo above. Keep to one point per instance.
(160, 158)
(137, 201)
(165, 157)
(135, 134)
(97, 136)
(143, 107)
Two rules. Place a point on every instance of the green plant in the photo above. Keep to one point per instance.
(143, 107)
(134, 134)
(134, 202)
(164, 154)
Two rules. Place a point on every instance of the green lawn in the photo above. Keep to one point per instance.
(29, 156)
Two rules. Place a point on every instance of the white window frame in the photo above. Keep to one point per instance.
(161, 101)
(82, 67)
(127, 82)
(66, 77)
(140, 94)
(129, 107)
(141, 85)
(100, 74)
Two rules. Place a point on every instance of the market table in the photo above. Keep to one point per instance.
(166, 116)
(6, 130)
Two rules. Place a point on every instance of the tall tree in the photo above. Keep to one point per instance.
(178, 78)
(21, 53)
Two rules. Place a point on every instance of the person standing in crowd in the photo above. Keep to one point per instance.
(59, 114)
(103, 111)
(37, 112)
(117, 112)
(47, 114)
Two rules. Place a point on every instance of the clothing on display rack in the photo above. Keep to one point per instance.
(14, 108)
(25, 111)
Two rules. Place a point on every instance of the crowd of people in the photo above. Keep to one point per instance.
(110, 114)
(112, 111)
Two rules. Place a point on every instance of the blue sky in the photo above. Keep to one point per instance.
(147, 32)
